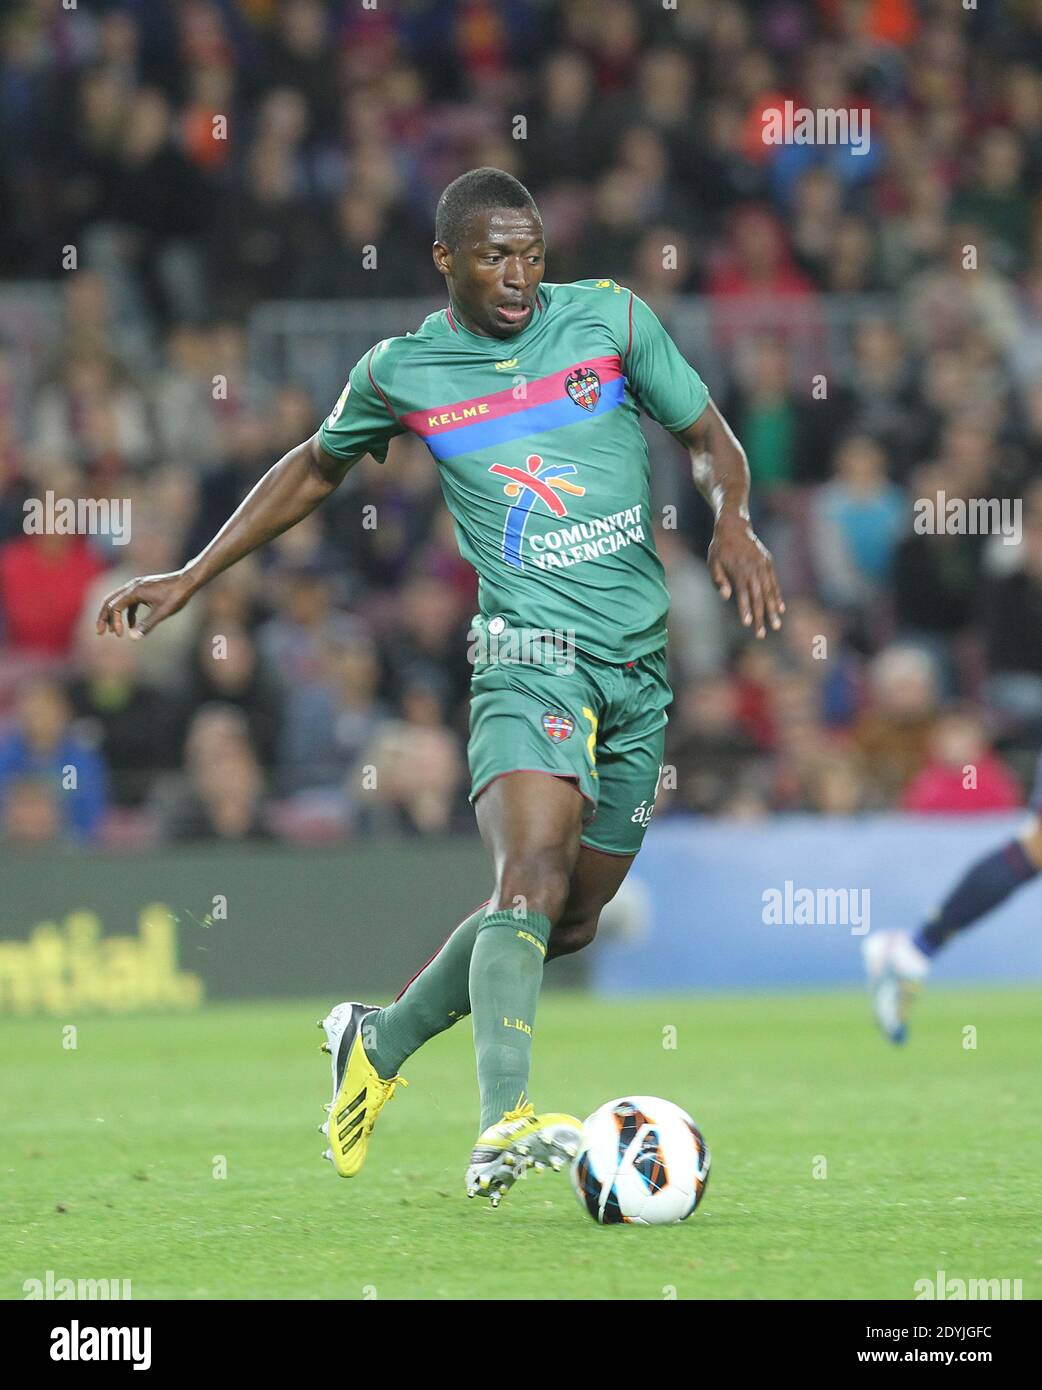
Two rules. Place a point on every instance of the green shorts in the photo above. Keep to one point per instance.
(601, 725)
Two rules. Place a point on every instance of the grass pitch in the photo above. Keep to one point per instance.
(928, 1156)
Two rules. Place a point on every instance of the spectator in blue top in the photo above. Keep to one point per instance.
(860, 516)
(43, 744)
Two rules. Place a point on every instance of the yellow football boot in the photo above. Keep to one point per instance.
(519, 1141)
(359, 1094)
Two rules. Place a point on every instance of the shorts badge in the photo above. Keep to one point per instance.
(558, 726)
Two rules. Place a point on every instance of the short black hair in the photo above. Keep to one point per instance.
(473, 192)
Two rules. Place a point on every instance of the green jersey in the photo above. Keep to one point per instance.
(543, 463)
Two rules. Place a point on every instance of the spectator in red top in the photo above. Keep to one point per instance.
(43, 580)
(756, 288)
(757, 261)
(961, 775)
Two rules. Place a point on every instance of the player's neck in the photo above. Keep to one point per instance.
(459, 320)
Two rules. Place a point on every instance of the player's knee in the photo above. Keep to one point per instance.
(536, 882)
(572, 934)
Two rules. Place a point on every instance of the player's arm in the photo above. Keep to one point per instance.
(292, 488)
(739, 562)
(673, 393)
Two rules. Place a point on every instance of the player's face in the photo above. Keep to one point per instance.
(495, 271)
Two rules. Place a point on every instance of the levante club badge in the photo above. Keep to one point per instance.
(584, 387)
(558, 726)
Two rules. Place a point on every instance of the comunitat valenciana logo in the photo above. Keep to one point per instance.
(541, 483)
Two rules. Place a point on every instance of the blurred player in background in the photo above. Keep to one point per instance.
(898, 962)
(528, 396)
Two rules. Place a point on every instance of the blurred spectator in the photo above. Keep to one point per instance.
(43, 583)
(1013, 609)
(224, 668)
(801, 742)
(787, 435)
(893, 734)
(187, 414)
(858, 519)
(569, 103)
(936, 571)
(157, 206)
(813, 646)
(220, 794)
(698, 644)
(87, 414)
(961, 774)
(707, 745)
(331, 718)
(295, 641)
(410, 782)
(836, 786)
(881, 397)
(30, 817)
(996, 197)
(43, 745)
(425, 643)
(756, 288)
(129, 723)
(153, 548)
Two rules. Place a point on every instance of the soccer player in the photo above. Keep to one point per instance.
(897, 963)
(528, 396)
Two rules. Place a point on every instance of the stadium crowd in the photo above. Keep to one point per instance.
(202, 157)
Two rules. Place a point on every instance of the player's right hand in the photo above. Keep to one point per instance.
(161, 594)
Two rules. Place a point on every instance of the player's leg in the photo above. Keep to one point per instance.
(897, 962)
(531, 823)
(596, 879)
(535, 840)
(433, 1000)
(439, 995)
(521, 718)
(370, 1044)
(630, 749)
(988, 882)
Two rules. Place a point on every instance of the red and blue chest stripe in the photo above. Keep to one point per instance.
(466, 427)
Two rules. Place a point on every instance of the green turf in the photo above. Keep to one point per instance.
(932, 1155)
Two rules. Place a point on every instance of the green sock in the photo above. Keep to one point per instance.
(506, 971)
(437, 998)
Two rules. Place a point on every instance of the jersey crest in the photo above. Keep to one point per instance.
(584, 387)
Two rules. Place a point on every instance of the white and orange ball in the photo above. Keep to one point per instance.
(643, 1162)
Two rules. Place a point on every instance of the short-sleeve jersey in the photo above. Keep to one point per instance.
(543, 463)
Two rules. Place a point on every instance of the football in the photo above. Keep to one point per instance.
(643, 1161)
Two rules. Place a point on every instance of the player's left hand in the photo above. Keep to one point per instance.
(741, 564)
